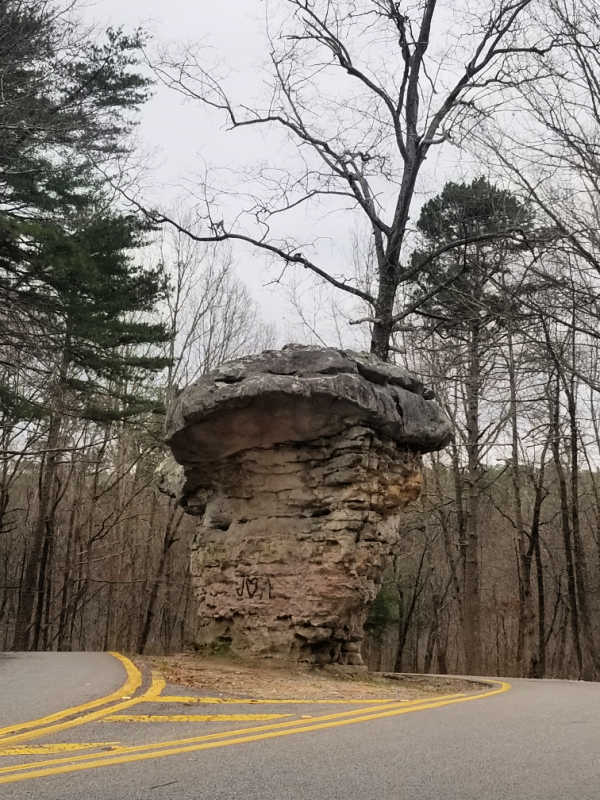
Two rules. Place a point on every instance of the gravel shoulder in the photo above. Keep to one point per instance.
(228, 677)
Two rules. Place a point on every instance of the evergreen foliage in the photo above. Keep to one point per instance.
(483, 216)
(385, 610)
(73, 297)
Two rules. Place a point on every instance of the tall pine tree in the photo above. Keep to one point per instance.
(468, 309)
(75, 306)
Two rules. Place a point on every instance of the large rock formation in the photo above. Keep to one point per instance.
(299, 463)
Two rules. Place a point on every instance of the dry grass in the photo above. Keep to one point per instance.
(229, 677)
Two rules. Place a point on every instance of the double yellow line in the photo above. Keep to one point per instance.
(35, 728)
(130, 754)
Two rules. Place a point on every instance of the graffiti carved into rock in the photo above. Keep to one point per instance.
(298, 463)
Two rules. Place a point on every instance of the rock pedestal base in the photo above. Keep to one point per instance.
(291, 547)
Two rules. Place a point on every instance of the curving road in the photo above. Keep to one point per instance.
(539, 740)
(35, 684)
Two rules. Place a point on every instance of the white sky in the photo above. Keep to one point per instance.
(182, 138)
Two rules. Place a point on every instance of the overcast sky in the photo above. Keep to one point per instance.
(181, 139)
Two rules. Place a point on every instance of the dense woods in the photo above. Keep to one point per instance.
(487, 288)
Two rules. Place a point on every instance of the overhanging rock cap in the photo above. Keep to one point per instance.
(297, 394)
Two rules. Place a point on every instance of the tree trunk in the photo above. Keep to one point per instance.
(539, 665)
(381, 333)
(590, 659)
(566, 531)
(168, 541)
(29, 585)
(526, 620)
(472, 588)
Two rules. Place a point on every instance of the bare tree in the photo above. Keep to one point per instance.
(211, 315)
(552, 153)
(363, 91)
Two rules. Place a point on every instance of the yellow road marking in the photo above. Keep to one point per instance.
(82, 720)
(62, 747)
(132, 683)
(133, 754)
(192, 717)
(156, 687)
(238, 732)
(192, 699)
(222, 734)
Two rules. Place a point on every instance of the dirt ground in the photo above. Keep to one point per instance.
(229, 677)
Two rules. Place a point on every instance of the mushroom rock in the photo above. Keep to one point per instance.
(298, 463)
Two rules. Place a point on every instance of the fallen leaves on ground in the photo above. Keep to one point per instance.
(229, 677)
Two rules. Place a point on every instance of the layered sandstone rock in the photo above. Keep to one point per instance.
(298, 463)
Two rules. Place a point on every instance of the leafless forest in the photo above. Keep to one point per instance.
(486, 285)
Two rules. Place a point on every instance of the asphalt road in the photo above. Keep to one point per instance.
(35, 684)
(538, 740)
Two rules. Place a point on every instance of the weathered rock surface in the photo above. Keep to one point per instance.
(299, 463)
